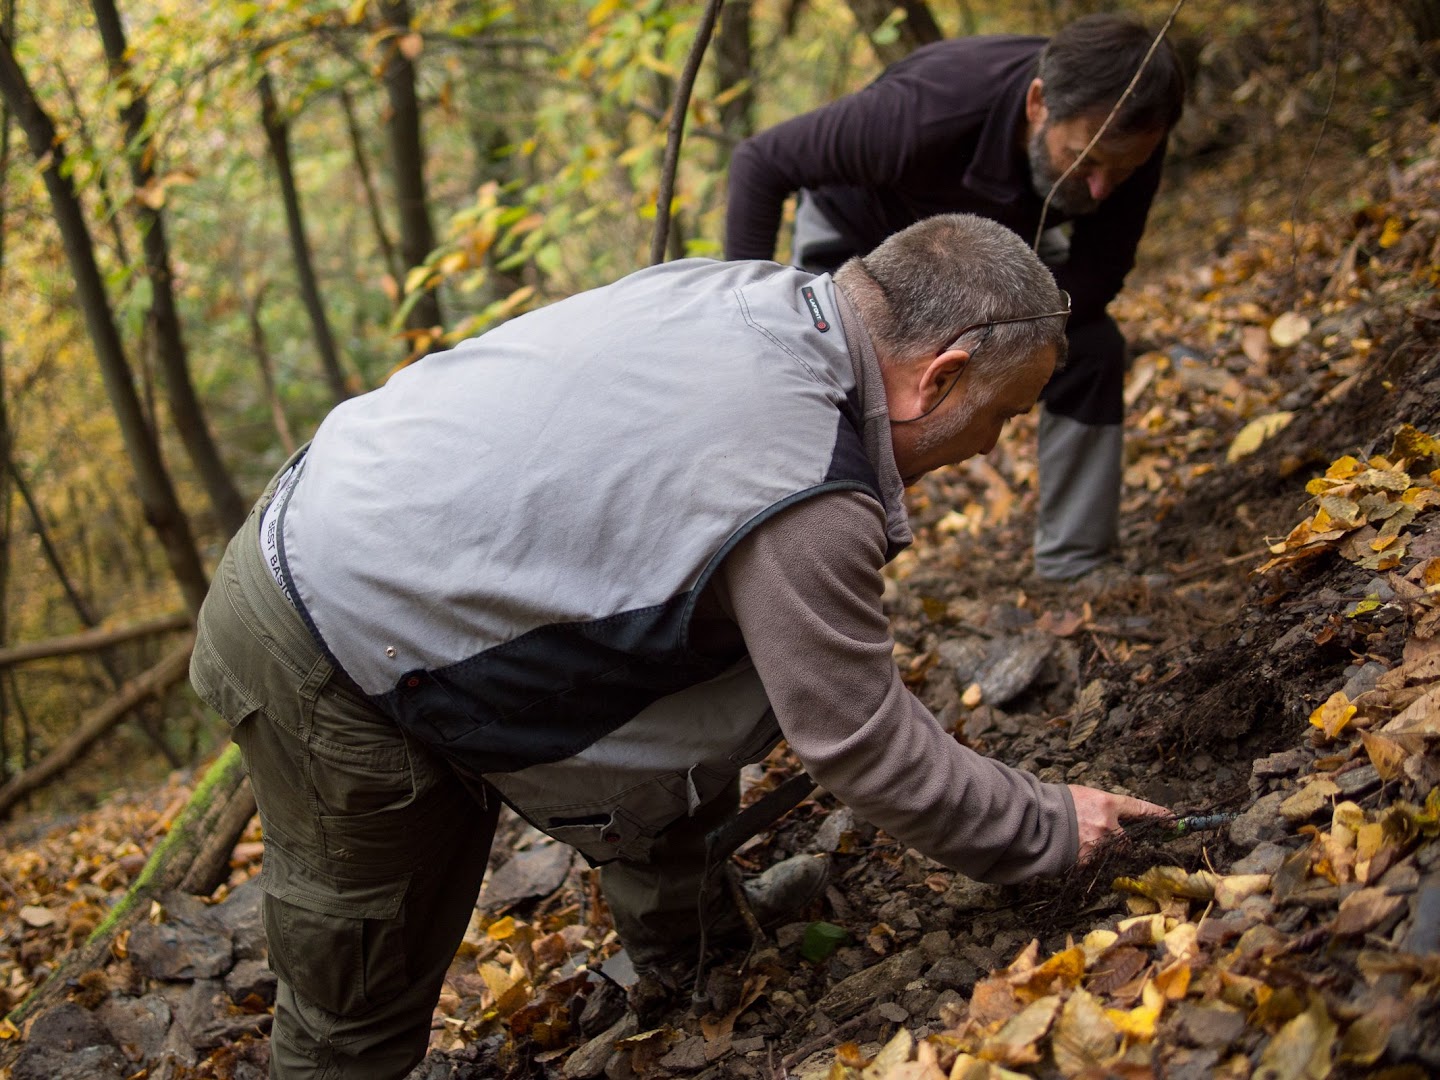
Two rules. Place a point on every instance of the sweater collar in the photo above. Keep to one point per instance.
(875, 424)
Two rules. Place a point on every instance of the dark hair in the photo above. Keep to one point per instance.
(1088, 64)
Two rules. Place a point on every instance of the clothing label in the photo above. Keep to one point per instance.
(270, 529)
(816, 314)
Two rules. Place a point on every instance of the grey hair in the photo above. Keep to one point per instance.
(926, 283)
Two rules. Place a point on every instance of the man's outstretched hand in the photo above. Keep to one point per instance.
(1100, 813)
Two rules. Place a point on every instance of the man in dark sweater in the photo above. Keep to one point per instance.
(986, 125)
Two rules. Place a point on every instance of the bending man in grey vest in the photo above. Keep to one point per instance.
(590, 564)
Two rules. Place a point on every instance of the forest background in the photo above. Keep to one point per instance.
(219, 218)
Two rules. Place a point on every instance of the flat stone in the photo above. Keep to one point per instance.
(1363, 680)
(954, 973)
(68, 1027)
(589, 1061)
(189, 944)
(1211, 1026)
(935, 944)
(205, 1019)
(964, 656)
(833, 829)
(1265, 858)
(687, 1056)
(892, 1012)
(1192, 1065)
(538, 871)
(1285, 763)
(251, 977)
(747, 1045)
(1423, 935)
(138, 1025)
(1010, 673)
(89, 1063)
(877, 983)
(1358, 781)
(242, 913)
(1261, 822)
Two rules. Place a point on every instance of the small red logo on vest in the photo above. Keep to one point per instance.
(816, 315)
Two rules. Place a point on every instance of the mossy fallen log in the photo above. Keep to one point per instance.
(212, 821)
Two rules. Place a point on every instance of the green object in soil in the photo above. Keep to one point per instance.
(821, 939)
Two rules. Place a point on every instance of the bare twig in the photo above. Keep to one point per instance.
(834, 1035)
(1144, 63)
(677, 130)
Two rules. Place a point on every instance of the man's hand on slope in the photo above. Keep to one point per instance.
(1101, 813)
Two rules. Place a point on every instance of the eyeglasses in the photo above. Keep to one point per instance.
(989, 327)
(990, 324)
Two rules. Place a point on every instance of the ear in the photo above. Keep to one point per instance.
(940, 375)
(1035, 111)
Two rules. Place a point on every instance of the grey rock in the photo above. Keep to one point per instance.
(604, 1006)
(880, 982)
(1192, 1065)
(899, 914)
(1265, 858)
(836, 824)
(1293, 637)
(917, 999)
(1285, 763)
(89, 1063)
(747, 1045)
(964, 656)
(68, 1043)
(1014, 670)
(138, 1025)
(190, 943)
(686, 1057)
(935, 945)
(1210, 1026)
(1363, 680)
(1261, 822)
(954, 973)
(948, 1001)
(538, 871)
(1357, 781)
(892, 1012)
(1423, 935)
(589, 1061)
(205, 1019)
(967, 895)
(251, 977)
(243, 915)
(67, 1027)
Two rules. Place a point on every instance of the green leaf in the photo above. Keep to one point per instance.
(821, 939)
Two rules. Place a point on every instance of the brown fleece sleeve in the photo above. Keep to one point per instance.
(805, 589)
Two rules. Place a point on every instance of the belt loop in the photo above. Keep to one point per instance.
(310, 688)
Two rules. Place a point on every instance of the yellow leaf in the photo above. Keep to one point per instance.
(1412, 444)
(1301, 1050)
(602, 11)
(1392, 232)
(1253, 434)
(1084, 1038)
(501, 929)
(1061, 971)
(1333, 715)
(418, 277)
(1014, 1044)
(1387, 755)
(1174, 980)
(1289, 329)
(1139, 1022)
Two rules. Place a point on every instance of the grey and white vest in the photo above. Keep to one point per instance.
(503, 546)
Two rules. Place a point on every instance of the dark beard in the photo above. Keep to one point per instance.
(1072, 198)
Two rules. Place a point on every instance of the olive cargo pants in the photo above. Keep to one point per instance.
(374, 847)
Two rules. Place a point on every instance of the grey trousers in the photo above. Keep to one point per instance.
(374, 846)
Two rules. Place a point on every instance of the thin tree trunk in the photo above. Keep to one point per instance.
(157, 493)
(277, 132)
(372, 199)
(185, 409)
(7, 25)
(407, 158)
(735, 64)
(267, 368)
(90, 640)
(170, 670)
(917, 28)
